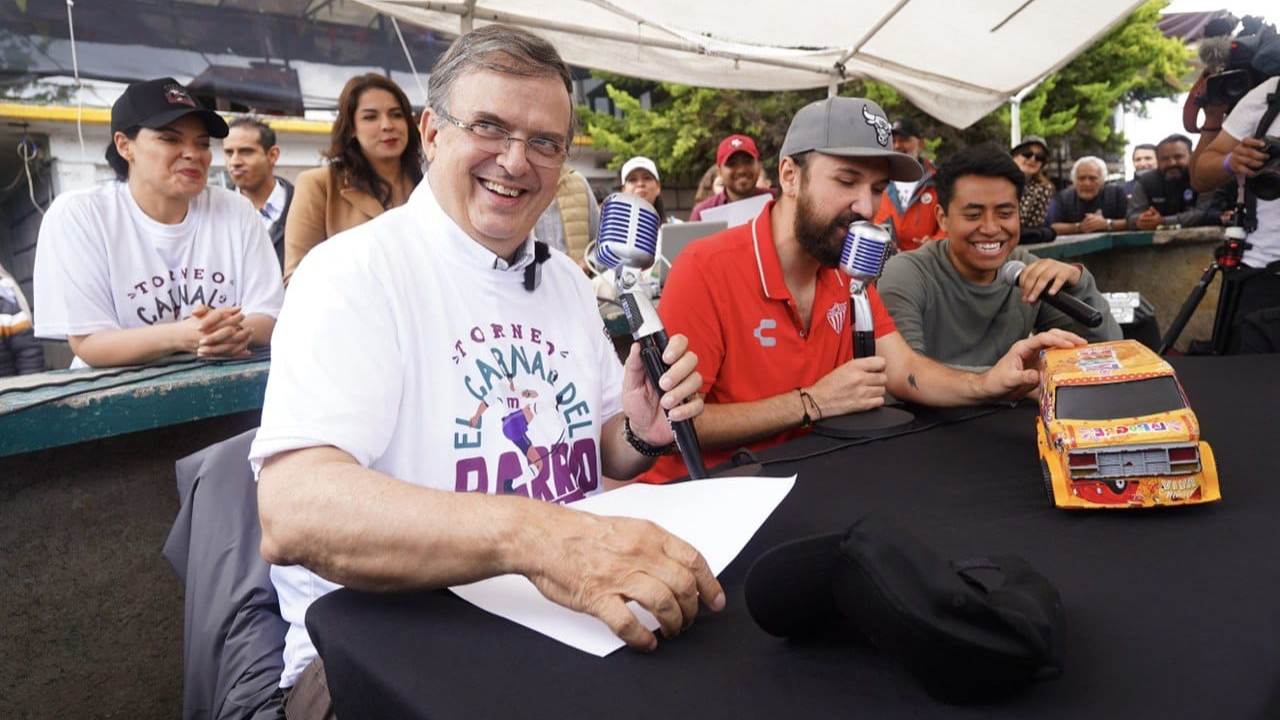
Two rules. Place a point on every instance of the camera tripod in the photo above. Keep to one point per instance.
(1226, 258)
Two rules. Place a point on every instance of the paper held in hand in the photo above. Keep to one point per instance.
(716, 516)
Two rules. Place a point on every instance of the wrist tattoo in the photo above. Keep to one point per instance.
(911, 380)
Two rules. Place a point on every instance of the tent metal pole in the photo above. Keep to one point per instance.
(1015, 121)
(1015, 110)
(468, 17)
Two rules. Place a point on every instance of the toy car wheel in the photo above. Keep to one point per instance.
(1117, 486)
(1048, 480)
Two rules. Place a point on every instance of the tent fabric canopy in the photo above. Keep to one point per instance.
(956, 61)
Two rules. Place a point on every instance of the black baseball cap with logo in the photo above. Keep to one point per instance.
(156, 103)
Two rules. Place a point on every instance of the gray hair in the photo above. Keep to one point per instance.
(497, 48)
(1102, 164)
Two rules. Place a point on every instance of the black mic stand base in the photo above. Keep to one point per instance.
(874, 423)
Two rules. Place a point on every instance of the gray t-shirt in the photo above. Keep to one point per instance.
(945, 317)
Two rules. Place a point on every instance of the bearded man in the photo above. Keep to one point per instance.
(766, 309)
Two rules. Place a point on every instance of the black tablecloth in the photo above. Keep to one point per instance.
(1171, 613)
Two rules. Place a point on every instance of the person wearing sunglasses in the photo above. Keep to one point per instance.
(1030, 156)
(442, 386)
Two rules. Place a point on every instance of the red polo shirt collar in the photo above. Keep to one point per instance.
(769, 267)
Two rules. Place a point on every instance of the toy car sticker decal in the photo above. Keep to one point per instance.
(1097, 360)
(1101, 432)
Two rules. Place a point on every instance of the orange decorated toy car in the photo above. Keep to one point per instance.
(1115, 431)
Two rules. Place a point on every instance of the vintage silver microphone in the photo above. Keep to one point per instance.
(867, 247)
(627, 246)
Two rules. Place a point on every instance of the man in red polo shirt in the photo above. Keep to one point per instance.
(766, 308)
(738, 162)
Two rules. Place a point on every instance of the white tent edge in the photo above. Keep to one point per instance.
(668, 52)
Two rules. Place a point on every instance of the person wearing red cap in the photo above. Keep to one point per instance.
(911, 206)
(738, 163)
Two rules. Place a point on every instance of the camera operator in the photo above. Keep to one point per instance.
(1239, 148)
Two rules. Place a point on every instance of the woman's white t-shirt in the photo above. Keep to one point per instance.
(408, 345)
(103, 264)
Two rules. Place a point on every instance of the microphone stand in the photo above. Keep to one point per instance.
(647, 330)
(876, 421)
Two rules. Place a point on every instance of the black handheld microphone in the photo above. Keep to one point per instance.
(627, 245)
(1077, 309)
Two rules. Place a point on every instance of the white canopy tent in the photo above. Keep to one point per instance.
(956, 61)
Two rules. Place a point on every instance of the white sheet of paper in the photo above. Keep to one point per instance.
(717, 516)
(739, 212)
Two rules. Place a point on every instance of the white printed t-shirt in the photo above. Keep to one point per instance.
(103, 264)
(396, 333)
(1240, 124)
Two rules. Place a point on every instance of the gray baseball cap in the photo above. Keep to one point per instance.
(848, 127)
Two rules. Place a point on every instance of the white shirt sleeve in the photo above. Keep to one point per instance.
(1245, 116)
(336, 367)
(72, 286)
(262, 292)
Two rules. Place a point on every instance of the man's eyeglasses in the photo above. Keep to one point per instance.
(542, 151)
(1034, 156)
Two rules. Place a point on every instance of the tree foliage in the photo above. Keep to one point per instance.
(1131, 64)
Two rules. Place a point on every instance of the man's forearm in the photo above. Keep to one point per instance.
(732, 424)
(1202, 145)
(1210, 171)
(925, 381)
(392, 534)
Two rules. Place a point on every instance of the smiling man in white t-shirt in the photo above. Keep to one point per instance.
(391, 455)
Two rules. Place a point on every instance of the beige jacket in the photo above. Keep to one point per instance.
(324, 206)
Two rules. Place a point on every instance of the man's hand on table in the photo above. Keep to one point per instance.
(1015, 374)
(595, 564)
(1150, 219)
(1093, 222)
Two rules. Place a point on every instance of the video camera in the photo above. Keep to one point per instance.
(1236, 65)
(1233, 65)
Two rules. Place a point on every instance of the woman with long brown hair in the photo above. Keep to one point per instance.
(375, 161)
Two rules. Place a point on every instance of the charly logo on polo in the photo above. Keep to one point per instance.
(883, 129)
(836, 315)
(765, 340)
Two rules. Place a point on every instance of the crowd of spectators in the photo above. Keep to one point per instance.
(175, 236)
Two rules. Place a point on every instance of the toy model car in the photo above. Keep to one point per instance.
(1115, 431)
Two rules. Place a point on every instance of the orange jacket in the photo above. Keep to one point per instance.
(919, 218)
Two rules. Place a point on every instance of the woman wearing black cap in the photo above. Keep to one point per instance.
(157, 262)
